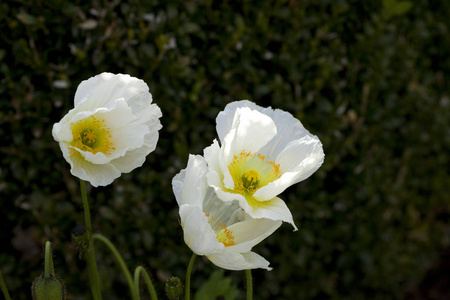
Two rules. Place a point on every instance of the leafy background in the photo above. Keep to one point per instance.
(370, 78)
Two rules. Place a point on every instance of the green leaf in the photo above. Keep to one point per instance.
(217, 285)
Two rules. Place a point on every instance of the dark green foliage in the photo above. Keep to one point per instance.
(370, 78)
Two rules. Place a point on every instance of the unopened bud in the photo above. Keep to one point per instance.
(174, 288)
(50, 288)
(80, 237)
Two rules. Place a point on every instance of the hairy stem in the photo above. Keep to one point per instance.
(120, 260)
(148, 281)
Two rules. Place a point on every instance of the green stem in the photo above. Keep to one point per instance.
(90, 253)
(188, 277)
(120, 260)
(4, 288)
(148, 281)
(48, 261)
(87, 214)
(248, 276)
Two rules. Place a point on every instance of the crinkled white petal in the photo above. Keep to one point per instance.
(189, 185)
(97, 175)
(251, 130)
(133, 159)
(239, 261)
(142, 108)
(212, 155)
(198, 234)
(298, 161)
(274, 209)
(226, 118)
(251, 232)
(288, 127)
(136, 158)
(104, 89)
(300, 155)
(119, 115)
(62, 131)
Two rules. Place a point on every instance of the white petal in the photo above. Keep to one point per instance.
(128, 138)
(251, 130)
(238, 261)
(211, 155)
(136, 158)
(62, 131)
(215, 175)
(298, 161)
(226, 213)
(288, 127)
(226, 117)
(274, 209)
(118, 115)
(249, 233)
(223, 195)
(97, 175)
(132, 160)
(102, 90)
(198, 234)
(57, 135)
(189, 185)
(142, 108)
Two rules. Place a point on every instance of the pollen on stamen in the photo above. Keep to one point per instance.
(92, 135)
(250, 171)
(224, 235)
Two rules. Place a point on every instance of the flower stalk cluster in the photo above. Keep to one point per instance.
(228, 197)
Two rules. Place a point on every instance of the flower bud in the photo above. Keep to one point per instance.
(48, 288)
(174, 288)
(80, 236)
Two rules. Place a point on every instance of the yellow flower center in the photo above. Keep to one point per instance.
(92, 135)
(251, 171)
(224, 235)
(250, 180)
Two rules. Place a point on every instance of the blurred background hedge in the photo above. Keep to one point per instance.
(370, 78)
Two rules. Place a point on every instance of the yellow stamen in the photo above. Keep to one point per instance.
(250, 179)
(252, 171)
(92, 135)
(88, 137)
(224, 235)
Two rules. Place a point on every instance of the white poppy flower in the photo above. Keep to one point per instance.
(262, 152)
(219, 230)
(111, 129)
